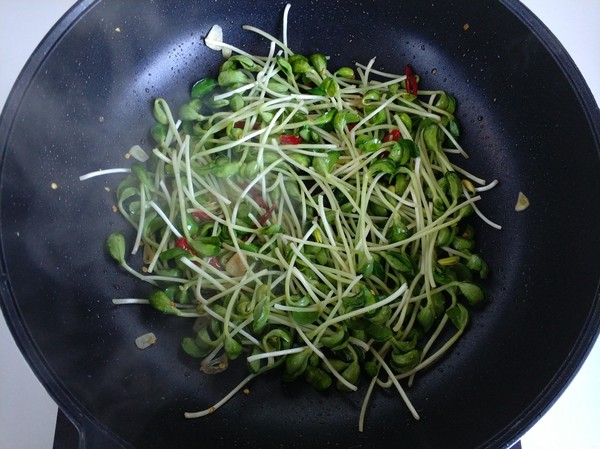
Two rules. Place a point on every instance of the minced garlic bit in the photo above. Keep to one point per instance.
(522, 202)
(146, 340)
(114, 208)
(117, 29)
(466, 26)
(246, 391)
(54, 186)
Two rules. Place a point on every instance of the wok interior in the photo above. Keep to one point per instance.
(522, 123)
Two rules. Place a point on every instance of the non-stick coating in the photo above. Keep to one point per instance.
(84, 99)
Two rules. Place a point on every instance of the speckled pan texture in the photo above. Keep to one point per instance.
(85, 97)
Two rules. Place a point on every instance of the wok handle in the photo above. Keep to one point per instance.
(93, 438)
(69, 435)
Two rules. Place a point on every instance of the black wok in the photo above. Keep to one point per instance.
(84, 98)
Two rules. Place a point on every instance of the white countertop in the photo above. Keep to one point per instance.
(28, 415)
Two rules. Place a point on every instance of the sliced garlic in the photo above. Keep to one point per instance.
(214, 366)
(236, 265)
(214, 39)
(522, 202)
(146, 340)
(138, 153)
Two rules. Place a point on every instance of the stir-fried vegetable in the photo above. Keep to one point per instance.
(310, 219)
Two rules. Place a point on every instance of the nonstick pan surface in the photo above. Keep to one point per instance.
(84, 99)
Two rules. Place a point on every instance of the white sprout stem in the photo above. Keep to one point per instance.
(269, 37)
(487, 187)
(286, 12)
(163, 243)
(138, 275)
(109, 171)
(432, 358)
(365, 403)
(454, 142)
(234, 328)
(140, 230)
(325, 360)
(166, 219)
(391, 375)
(226, 398)
(166, 279)
(283, 352)
(379, 72)
(121, 301)
(480, 214)
(468, 175)
(365, 309)
(233, 92)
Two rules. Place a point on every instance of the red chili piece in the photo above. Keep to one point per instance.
(290, 140)
(240, 124)
(411, 80)
(259, 200)
(215, 263)
(255, 195)
(183, 244)
(201, 215)
(394, 135)
(264, 217)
